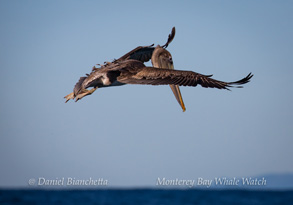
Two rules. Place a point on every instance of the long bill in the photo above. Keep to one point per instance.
(176, 91)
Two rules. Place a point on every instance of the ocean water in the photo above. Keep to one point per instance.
(145, 196)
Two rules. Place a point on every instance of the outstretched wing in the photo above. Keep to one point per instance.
(160, 76)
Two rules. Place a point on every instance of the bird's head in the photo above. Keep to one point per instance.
(162, 58)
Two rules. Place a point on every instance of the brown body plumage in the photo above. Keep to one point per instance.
(130, 69)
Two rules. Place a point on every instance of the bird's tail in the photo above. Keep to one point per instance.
(77, 87)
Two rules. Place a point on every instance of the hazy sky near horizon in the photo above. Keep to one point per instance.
(133, 134)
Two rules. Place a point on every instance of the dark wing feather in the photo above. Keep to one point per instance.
(170, 38)
(141, 53)
(144, 53)
(160, 76)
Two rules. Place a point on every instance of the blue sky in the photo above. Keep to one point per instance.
(133, 134)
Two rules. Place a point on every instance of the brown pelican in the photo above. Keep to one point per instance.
(130, 69)
(135, 72)
(144, 54)
(161, 59)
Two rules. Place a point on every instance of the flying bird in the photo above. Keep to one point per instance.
(130, 69)
(144, 54)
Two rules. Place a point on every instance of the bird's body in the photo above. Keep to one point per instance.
(130, 69)
(135, 72)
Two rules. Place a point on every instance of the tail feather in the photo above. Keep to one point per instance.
(77, 87)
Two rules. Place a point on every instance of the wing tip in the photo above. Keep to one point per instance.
(170, 37)
(240, 82)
